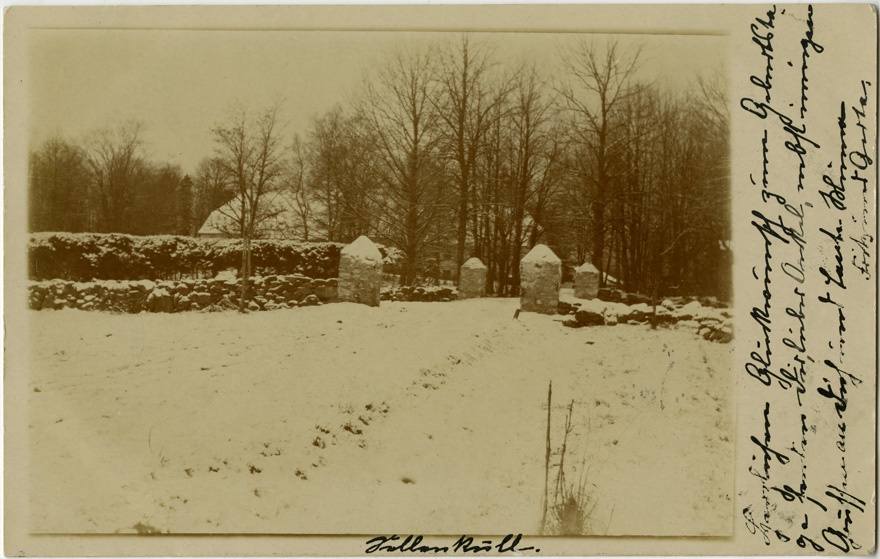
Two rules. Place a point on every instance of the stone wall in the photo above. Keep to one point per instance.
(266, 293)
(709, 322)
(431, 294)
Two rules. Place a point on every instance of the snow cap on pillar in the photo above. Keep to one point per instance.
(540, 275)
(587, 267)
(360, 272)
(363, 248)
(474, 264)
(472, 279)
(541, 253)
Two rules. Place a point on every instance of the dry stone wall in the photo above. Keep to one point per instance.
(430, 294)
(266, 293)
(711, 323)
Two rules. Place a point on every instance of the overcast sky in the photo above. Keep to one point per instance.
(180, 83)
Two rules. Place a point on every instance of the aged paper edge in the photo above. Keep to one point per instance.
(678, 19)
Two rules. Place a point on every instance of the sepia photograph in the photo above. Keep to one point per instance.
(370, 282)
(448, 280)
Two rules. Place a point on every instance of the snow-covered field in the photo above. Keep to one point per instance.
(408, 418)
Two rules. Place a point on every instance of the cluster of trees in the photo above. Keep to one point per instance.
(106, 185)
(445, 153)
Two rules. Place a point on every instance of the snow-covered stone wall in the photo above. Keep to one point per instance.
(360, 272)
(266, 293)
(472, 281)
(540, 275)
(713, 323)
(427, 294)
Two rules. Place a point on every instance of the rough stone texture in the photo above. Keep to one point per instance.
(710, 323)
(612, 295)
(177, 296)
(586, 317)
(310, 301)
(472, 282)
(360, 272)
(586, 281)
(159, 300)
(540, 276)
(438, 294)
(144, 285)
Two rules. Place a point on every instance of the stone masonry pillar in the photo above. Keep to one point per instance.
(586, 281)
(472, 281)
(360, 273)
(540, 275)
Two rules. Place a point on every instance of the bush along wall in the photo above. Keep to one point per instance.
(84, 257)
(266, 293)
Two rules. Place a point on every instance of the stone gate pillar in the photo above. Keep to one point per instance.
(540, 274)
(586, 281)
(360, 272)
(472, 279)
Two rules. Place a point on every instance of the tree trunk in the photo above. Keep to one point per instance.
(245, 272)
(461, 236)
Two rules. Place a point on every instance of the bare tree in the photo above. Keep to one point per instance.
(339, 155)
(668, 216)
(598, 85)
(154, 207)
(249, 149)
(116, 162)
(184, 207)
(212, 188)
(58, 196)
(467, 101)
(636, 206)
(295, 185)
(107, 187)
(713, 101)
(398, 108)
(537, 159)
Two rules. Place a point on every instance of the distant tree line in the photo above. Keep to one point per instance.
(106, 185)
(446, 153)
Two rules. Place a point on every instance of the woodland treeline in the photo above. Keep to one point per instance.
(445, 153)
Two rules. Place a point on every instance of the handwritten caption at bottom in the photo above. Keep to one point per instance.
(465, 544)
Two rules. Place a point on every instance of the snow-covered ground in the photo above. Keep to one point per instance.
(407, 418)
